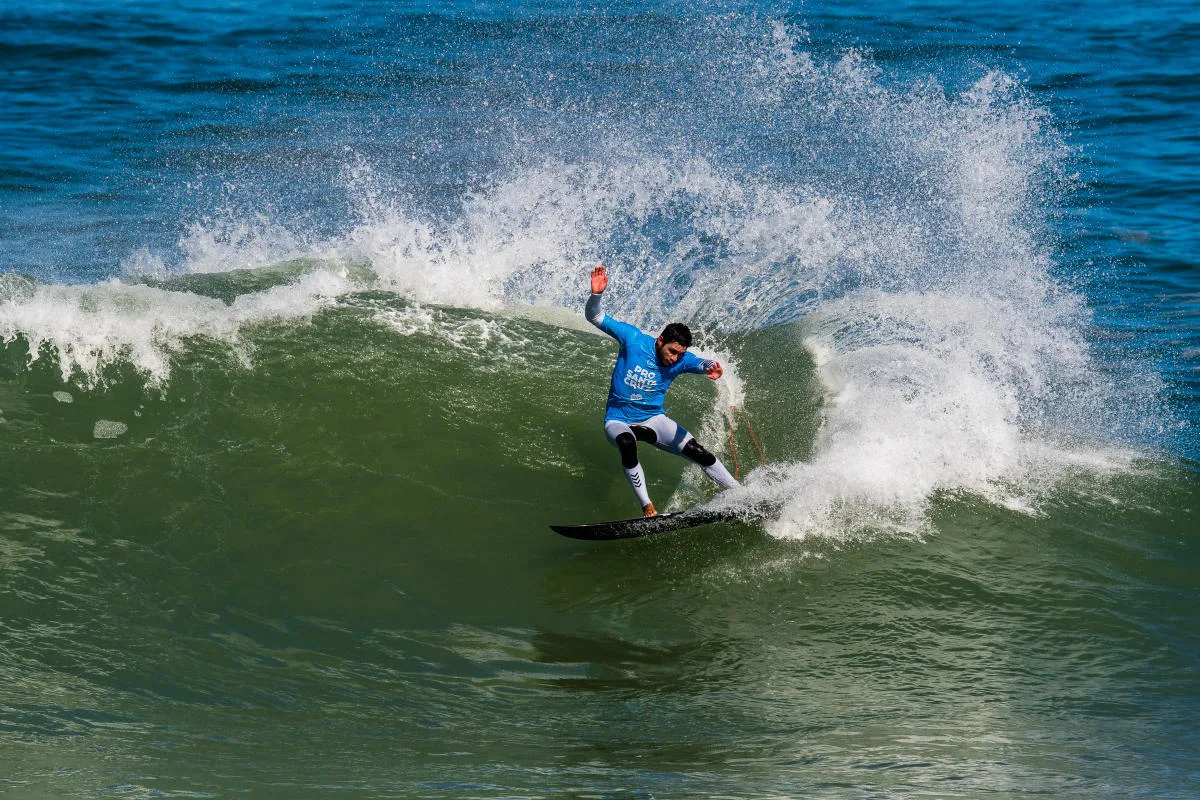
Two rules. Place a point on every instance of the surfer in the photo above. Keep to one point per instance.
(643, 373)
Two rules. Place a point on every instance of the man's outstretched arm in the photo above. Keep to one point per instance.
(592, 309)
(623, 332)
(703, 366)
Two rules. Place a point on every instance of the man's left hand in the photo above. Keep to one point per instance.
(715, 370)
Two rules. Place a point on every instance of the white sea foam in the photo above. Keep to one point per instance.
(109, 429)
(475, 335)
(930, 393)
(89, 327)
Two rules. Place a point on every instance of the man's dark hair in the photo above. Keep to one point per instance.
(678, 333)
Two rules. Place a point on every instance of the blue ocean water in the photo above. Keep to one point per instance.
(294, 378)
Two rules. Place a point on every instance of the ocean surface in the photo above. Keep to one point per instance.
(294, 376)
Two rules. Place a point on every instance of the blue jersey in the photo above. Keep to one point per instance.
(639, 382)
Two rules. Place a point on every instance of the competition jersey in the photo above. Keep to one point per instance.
(639, 382)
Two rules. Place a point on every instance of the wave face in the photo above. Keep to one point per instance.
(295, 375)
(904, 225)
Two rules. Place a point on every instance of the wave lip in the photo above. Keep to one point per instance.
(88, 327)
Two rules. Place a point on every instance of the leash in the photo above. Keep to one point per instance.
(737, 472)
(733, 448)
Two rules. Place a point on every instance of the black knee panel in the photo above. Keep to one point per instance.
(628, 447)
(644, 434)
(696, 453)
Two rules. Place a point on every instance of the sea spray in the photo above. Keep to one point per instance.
(900, 225)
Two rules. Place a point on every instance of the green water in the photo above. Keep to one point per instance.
(329, 572)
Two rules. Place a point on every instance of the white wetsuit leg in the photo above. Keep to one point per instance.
(634, 474)
(669, 435)
(674, 438)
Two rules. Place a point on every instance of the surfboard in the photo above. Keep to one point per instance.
(644, 526)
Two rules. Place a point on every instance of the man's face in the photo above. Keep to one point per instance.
(668, 353)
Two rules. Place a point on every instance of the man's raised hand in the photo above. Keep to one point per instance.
(715, 370)
(599, 280)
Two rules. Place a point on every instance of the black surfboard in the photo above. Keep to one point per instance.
(644, 526)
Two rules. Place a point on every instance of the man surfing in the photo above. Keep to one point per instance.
(643, 373)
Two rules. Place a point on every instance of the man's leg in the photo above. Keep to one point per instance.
(673, 438)
(622, 437)
(711, 465)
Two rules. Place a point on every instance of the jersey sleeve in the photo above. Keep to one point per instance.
(621, 331)
(694, 363)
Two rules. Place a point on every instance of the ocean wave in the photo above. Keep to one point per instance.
(913, 250)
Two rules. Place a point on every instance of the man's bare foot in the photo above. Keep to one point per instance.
(648, 510)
